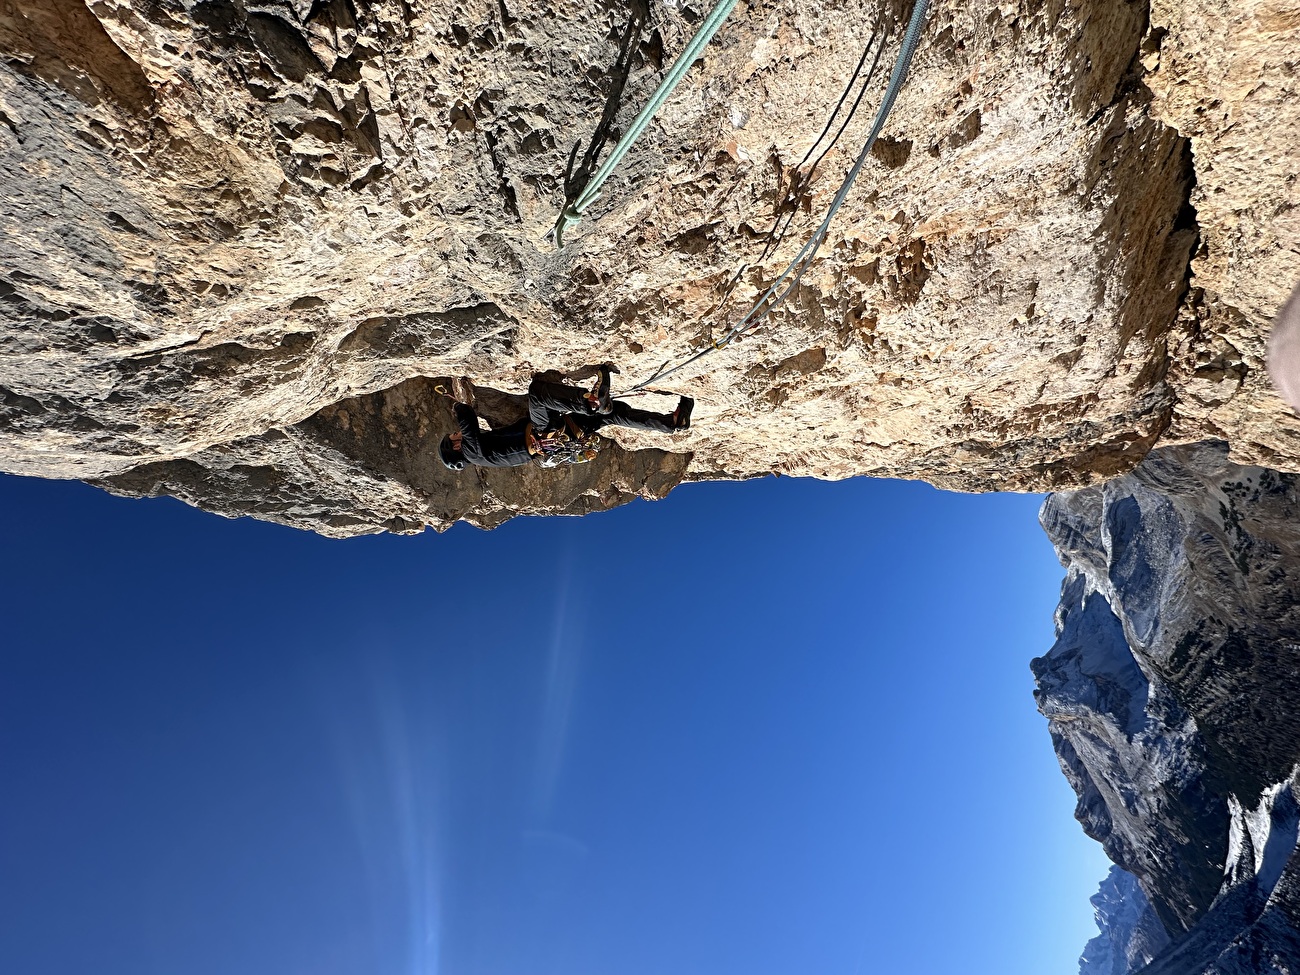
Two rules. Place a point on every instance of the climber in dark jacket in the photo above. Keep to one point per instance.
(561, 427)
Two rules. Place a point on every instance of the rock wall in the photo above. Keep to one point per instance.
(1170, 697)
(1225, 76)
(246, 239)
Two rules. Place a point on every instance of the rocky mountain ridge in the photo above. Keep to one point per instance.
(1130, 934)
(1170, 701)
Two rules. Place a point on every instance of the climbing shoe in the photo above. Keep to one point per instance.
(599, 400)
(682, 415)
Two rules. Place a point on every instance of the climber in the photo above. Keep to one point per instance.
(560, 429)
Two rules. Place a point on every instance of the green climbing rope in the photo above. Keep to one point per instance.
(572, 213)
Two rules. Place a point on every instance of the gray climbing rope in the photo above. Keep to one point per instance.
(805, 256)
(572, 213)
(796, 268)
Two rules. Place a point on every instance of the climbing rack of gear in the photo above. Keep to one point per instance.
(566, 444)
(789, 278)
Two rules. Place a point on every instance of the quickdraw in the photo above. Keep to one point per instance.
(567, 444)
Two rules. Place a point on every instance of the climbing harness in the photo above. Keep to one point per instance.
(572, 213)
(773, 297)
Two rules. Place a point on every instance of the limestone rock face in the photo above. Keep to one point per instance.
(1170, 698)
(1225, 76)
(245, 242)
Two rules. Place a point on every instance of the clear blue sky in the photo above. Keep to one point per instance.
(781, 727)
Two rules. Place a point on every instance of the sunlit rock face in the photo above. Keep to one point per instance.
(1223, 74)
(246, 240)
(1170, 697)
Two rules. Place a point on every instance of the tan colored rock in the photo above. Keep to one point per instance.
(245, 239)
(1225, 75)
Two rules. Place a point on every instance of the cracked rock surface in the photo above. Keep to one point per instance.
(247, 240)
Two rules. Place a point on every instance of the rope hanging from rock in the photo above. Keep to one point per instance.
(770, 298)
(572, 213)
(785, 214)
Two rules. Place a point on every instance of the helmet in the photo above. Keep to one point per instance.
(452, 459)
